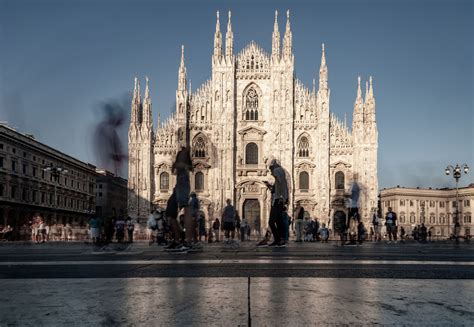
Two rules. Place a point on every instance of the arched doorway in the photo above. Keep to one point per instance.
(251, 212)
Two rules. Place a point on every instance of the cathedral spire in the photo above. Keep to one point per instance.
(287, 40)
(217, 40)
(229, 39)
(371, 90)
(147, 89)
(323, 71)
(147, 115)
(366, 92)
(135, 118)
(182, 72)
(276, 39)
(369, 105)
(359, 91)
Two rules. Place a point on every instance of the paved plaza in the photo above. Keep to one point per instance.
(305, 284)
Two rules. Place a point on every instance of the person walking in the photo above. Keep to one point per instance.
(286, 224)
(228, 221)
(423, 233)
(243, 229)
(120, 229)
(377, 227)
(279, 198)
(182, 166)
(94, 229)
(354, 217)
(299, 222)
(391, 224)
(194, 207)
(130, 225)
(216, 226)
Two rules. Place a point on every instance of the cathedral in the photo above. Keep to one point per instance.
(251, 110)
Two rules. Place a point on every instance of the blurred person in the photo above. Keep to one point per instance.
(216, 226)
(194, 207)
(286, 224)
(94, 229)
(391, 224)
(243, 229)
(299, 222)
(182, 167)
(279, 191)
(324, 233)
(130, 226)
(228, 222)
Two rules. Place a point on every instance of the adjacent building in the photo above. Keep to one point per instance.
(251, 110)
(436, 208)
(111, 194)
(35, 178)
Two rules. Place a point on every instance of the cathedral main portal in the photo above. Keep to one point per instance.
(251, 212)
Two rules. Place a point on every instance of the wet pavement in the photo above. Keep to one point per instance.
(303, 285)
(224, 302)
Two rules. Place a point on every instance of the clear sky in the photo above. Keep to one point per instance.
(61, 60)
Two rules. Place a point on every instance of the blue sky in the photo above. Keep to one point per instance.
(61, 60)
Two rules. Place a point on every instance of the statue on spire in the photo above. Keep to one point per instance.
(217, 40)
(287, 39)
(323, 71)
(276, 39)
(229, 39)
(182, 72)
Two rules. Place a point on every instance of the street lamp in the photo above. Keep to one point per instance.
(55, 172)
(457, 173)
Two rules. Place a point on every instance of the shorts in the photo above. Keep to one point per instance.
(230, 226)
(182, 188)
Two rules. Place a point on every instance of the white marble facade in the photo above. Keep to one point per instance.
(252, 109)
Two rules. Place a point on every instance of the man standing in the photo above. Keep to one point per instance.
(130, 224)
(391, 224)
(228, 221)
(216, 226)
(299, 223)
(354, 217)
(279, 199)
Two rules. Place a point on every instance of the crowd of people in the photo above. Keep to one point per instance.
(181, 226)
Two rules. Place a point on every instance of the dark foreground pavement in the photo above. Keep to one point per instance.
(240, 285)
(412, 260)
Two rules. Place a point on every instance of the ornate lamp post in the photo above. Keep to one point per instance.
(457, 172)
(55, 171)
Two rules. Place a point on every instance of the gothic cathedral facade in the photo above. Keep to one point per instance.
(251, 110)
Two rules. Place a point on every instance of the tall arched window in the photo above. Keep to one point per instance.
(164, 181)
(199, 181)
(251, 105)
(251, 154)
(199, 146)
(339, 179)
(304, 181)
(303, 147)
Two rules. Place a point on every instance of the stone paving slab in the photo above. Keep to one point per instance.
(223, 302)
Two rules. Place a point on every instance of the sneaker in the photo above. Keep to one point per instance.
(183, 248)
(274, 244)
(262, 243)
(172, 247)
(282, 244)
(197, 245)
